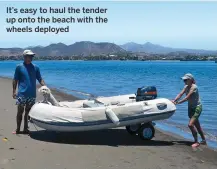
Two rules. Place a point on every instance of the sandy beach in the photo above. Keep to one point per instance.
(113, 148)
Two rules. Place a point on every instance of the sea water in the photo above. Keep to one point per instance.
(110, 78)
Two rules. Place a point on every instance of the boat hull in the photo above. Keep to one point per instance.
(74, 128)
(85, 119)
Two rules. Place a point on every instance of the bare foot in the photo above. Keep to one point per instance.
(203, 142)
(16, 132)
(25, 131)
(195, 145)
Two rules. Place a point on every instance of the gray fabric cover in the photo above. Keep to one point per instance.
(120, 111)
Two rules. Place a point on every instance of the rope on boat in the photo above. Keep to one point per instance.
(91, 96)
(80, 92)
(35, 126)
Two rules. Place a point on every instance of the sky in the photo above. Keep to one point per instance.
(173, 24)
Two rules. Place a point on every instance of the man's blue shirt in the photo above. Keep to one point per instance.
(26, 75)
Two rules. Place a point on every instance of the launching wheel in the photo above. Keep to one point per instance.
(146, 131)
(133, 129)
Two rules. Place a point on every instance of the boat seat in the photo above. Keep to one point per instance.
(92, 103)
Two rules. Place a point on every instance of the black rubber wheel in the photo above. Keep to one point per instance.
(146, 131)
(133, 129)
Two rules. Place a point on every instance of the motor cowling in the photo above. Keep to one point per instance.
(146, 93)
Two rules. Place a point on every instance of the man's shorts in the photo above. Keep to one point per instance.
(25, 101)
(195, 112)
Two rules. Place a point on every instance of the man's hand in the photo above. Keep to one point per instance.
(14, 95)
(42, 83)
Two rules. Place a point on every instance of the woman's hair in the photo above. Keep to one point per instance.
(193, 81)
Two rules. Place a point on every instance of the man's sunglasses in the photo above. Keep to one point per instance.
(30, 56)
(185, 80)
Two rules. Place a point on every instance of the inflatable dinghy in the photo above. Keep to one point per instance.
(132, 111)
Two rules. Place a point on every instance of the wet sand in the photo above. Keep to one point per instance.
(113, 148)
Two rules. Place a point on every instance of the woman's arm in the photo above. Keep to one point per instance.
(187, 97)
(179, 95)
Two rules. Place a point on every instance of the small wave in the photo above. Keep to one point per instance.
(79, 92)
(185, 129)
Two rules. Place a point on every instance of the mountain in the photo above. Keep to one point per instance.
(84, 48)
(158, 49)
(10, 51)
(87, 48)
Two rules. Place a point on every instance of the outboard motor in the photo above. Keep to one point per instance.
(146, 93)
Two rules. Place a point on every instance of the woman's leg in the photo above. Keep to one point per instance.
(200, 131)
(193, 130)
(196, 116)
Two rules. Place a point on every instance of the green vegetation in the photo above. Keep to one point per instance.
(124, 56)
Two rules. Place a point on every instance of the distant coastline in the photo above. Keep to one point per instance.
(86, 50)
(115, 58)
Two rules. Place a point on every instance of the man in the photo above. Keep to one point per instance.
(25, 76)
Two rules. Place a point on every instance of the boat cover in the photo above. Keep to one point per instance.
(78, 114)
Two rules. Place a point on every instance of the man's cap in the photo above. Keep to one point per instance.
(28, 53)
(188, 76)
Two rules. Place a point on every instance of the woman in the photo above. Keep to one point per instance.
(194, 107)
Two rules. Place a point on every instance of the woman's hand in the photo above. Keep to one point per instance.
(174, 102)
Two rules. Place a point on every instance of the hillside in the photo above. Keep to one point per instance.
(84, 48)
(158, 49)
(87, 48)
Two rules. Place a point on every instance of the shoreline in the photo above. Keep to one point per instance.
(117, 60)
(114, 147)
(57, 92)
